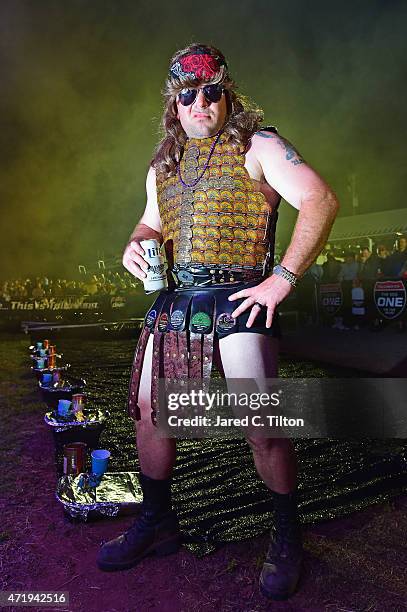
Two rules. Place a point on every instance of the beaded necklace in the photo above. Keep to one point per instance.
(196, 181)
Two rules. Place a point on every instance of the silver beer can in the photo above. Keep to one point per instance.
(156, 278)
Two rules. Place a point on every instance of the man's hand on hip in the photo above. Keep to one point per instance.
(267, 294)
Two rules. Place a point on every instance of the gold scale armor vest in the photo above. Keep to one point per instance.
(221, 222)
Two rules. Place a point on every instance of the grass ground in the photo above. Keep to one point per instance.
(353, 564)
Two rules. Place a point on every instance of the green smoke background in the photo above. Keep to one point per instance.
(80, 108)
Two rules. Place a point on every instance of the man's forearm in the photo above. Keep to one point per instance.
(315, 219)
(144, 232)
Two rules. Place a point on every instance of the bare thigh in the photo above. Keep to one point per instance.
(243, 355)
(156, 453)
(144, 395)
(248, 355)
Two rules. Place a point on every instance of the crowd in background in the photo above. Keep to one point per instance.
(334, 265)
(108, 283)
(364, 264)
(356, 270)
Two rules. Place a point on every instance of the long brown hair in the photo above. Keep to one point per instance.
(242, 120)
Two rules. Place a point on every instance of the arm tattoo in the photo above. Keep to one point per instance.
(291, 153)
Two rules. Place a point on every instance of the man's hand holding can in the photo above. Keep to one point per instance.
(133, 259)
(145, 261)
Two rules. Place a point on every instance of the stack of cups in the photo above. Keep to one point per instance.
(52, 361)
(78, 404)
(46, 378)
(74, 458)
(63, 407)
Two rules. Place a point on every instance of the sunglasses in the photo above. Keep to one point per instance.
(212, 93)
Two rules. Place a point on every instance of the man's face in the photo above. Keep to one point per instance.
(202, 118)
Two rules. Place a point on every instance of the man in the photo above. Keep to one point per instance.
(331, 269)
(382, 257)
(349, 269)
(212, 194)
(369, 265)
(395, 262)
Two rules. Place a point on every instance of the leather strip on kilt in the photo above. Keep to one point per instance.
(184, 324)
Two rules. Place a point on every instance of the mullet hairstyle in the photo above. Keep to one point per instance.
(242, 120)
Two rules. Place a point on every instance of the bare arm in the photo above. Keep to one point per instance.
(315, 218)
(149, 226)
(300, 185)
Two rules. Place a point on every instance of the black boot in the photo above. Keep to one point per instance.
(156, 530)
(282, 568)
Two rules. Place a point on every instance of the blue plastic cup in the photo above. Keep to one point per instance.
(63, 407)
(100, 459)
(46, 378)
(38, 345)
(40, 364)
(43, 353)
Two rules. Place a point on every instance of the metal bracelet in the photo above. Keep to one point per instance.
(287, 274)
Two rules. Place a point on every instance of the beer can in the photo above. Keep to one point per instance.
(46, 344)
(156, 278)
(74, 458)
(52, 361)
(52, 349)
(78, 402)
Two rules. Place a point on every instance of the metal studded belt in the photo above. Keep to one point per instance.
(201, 276)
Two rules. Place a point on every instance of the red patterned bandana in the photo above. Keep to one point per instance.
(198, 66)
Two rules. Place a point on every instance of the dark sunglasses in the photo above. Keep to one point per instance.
(212, 93)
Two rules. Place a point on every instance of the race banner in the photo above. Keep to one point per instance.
(74, 309)
(117, 302)
(390, 298)
(331, 298)
(53, 304)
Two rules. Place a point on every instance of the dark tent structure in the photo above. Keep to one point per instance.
(376, 225)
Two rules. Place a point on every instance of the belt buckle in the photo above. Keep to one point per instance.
(201, 276)
(185, 278)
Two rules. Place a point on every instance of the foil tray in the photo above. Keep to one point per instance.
(93, 419)
(51, 395)
(118, 493)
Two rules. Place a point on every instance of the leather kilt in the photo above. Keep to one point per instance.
(184, 323)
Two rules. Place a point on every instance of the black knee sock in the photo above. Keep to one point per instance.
(156, 495)
(285, 504)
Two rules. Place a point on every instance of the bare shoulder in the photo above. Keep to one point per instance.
(151, 177)
(267, 142)
(284, 168)
(151, 215)
(151, 185)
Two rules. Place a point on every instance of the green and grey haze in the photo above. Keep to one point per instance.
(80, 107)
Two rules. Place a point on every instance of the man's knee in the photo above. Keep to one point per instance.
(262, 445)
(259, 445)
(144, 425)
